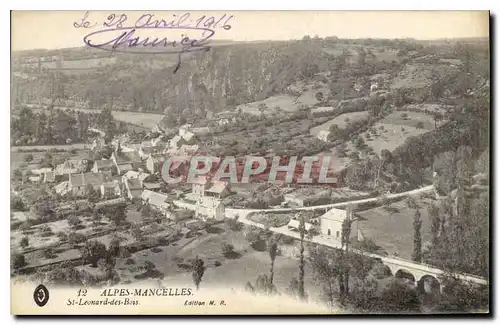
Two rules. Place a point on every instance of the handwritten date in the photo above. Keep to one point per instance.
(151, 21)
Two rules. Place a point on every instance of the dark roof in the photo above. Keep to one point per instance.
(125, 167)
(217, 187)
(152, 150)
(152, 185)
(111, 184)
(50, 176)
(89, 179)
(94, 179)
(104, 163)
(127, 156)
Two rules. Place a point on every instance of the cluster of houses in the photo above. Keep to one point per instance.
(133, 173)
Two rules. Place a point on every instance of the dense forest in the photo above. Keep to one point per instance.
(56, 126)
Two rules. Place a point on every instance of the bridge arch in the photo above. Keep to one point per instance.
(429, 284)
(404, 274)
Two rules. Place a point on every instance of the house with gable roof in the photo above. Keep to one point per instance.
(110, 189)
(103, 165)
(126, 161)
(133, 188)
(218, 189)
(155, 162)
(79, 183)
(156, 200)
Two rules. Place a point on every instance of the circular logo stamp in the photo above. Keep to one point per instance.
(41, 295)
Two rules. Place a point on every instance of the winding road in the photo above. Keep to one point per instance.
(231, 212)
(332, 242)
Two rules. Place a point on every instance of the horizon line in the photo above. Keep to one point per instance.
(291, 39)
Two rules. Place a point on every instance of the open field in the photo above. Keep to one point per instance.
(143, 119)
(391, 227)
(80, 146)
(305, 98)
(76, 64)
(391, 137)
(412, 119)
(340, 121)
(393, 130)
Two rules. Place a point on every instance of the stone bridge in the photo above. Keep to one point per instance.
(424, 276)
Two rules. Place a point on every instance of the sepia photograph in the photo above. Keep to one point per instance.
(250, 163)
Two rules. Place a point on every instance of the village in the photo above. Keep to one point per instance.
(347, 178)
(133, 174)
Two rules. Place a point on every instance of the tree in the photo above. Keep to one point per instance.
(118, 215)
(319, 96)
(227, 248)
(404, 116)
(411, 203)
(24, 242)
(150, 267)
(293, 288)
(344, 256)
(136, 232)
(361, 57)
(326, 271)
(18, 261)
(74, 221)
(302, 231)
(272, 248)
(359, 142)
(29, 158)
(114, 247)
(433, 212)
(417, 237)
(199, 268)
(335, 132)
(93, 252)
(399, 297)
(233, 224)
(92, 195)
(16, 203)
(263, 284)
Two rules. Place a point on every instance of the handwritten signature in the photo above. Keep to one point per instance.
(118, 37)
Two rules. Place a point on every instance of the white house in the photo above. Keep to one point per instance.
(155, 162)
(203, 130)
(331, 223)
(323, 135)
(156, 200)
(135, 175)
(209, 208)
(133, 188)
(294, 225)
(218, 189)
(71, 167)
(62, 188)
(110, 189)
(200, 185)
(146, 152)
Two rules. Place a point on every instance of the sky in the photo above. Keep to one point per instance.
(55, 29)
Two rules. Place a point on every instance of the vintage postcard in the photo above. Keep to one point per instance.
(250, 163)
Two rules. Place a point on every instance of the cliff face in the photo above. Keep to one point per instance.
(215, 80)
